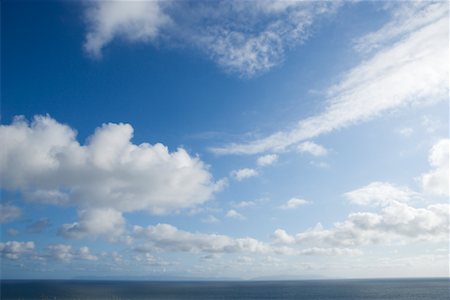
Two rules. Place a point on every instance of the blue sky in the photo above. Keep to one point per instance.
(224, 139)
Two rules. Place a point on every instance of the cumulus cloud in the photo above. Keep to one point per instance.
(410, 70)
(282, 237)
(9, 213)
(134, 21)
(105, 222)
(234, 215)
(294, 203)
(396, 222)
(381, 194)
(44, 161)
(242, 37)
(170, 238)
(245, 173)
(13, 249)
(312, 148)
(437, 181)
(267, 160)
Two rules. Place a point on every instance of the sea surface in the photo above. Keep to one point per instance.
(408, 289)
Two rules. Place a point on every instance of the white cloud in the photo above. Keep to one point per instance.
(282, 237)
(312, 148)
(9, 213)
(267, 160)
(170, 238)
(104, 222)
(396, 222)
(380, 194)
(13, 249)
(249, 203)
(135, 21)
(412, 70)
(437, 180)
(407, 17)
(245, 173)
(44, 161)
(234, 215)
(242, 37)
(294, 203)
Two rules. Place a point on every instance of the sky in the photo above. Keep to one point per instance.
(224, 139)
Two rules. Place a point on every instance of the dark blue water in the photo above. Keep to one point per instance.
(408, 289)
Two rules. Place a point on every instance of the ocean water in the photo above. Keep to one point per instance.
(399, 289)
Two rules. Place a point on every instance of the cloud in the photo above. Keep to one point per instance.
(134, 21)
(246, 38)
(312, 148)
(408, 71)
(437, 180)
(170, 238)
(282, 237)
(210, 219)
(234, 215)
(245, 173)
(250, 203)
(395, 223)
(9, 213)
(294, 203)
(381, 194)
(65, 253)
(407, 17)
(44, 161)
(39, 225)
(330, 251)
(13, 249)
(104, 222)
(406, 131)
(267, 160)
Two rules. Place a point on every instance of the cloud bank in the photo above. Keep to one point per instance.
(104, 178)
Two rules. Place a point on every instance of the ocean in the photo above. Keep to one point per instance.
(398, 289)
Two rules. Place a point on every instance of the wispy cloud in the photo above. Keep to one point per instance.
(243, 37)
(408, 70)
(312, 148)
